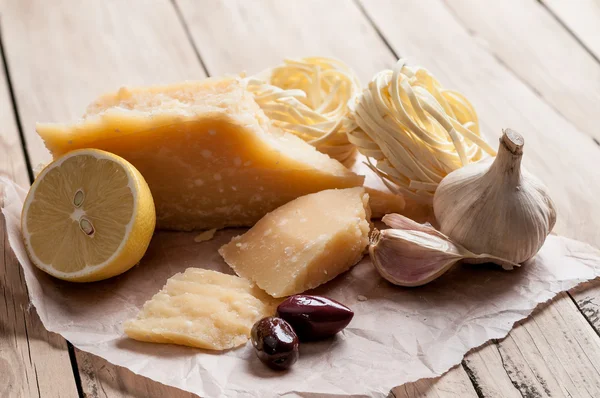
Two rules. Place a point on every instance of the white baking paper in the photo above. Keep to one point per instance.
(398, 335)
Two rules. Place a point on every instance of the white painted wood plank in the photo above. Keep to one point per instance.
(487, 372)
(100, 379)
(455, 383)
(582, 18)
(32, 360)
(554, 353)
(236, 35)
(587, 296)
(541, 52)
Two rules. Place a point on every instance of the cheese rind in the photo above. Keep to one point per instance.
(303, 243)
(202, 308)
(211, 157)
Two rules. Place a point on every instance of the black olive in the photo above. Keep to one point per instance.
(314, 317)
(275, 343)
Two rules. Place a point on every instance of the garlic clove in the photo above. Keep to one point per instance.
(412, 254)
(411, 258)
(496, 207)
(398, 221)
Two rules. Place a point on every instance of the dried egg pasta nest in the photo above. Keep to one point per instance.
(309, 98)
(416, 130)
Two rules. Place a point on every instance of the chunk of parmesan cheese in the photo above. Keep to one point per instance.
(304, 243)
(208, 152)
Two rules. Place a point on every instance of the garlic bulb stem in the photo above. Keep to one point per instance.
(507, 165)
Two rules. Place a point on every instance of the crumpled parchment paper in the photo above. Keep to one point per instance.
(398, 335)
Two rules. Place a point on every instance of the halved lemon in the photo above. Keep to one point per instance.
(89, 215)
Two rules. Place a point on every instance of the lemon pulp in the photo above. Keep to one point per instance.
(88, 216)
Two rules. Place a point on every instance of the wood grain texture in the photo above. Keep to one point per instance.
(582, 18)
(455, 383)
(26, 348)
(587, 297)
(553, 353)
(100, 379)
(62, 55)
(551, 61)
(236, 35)
(230, 34)
(486, 370)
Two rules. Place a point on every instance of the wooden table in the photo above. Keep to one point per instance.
(526, 64)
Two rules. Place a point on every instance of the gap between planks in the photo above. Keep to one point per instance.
(551, 61)
(580, 18)
(15, 110)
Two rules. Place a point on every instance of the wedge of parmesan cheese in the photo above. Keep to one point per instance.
(304, 243)
(202, 308)
(208, 152)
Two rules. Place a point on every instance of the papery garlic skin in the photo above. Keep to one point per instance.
(411, 258)
(496, 207)
(412, 254)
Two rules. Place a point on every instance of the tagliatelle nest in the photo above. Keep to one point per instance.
(308, 98)
(416, 130)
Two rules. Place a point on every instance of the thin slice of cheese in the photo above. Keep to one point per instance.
(304, 243)
(202, 308)
(208, 152)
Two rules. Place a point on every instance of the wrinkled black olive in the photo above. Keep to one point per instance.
(314, 317)
(275, 343)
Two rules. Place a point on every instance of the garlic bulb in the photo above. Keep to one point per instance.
(413, 254)
(496, 207)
